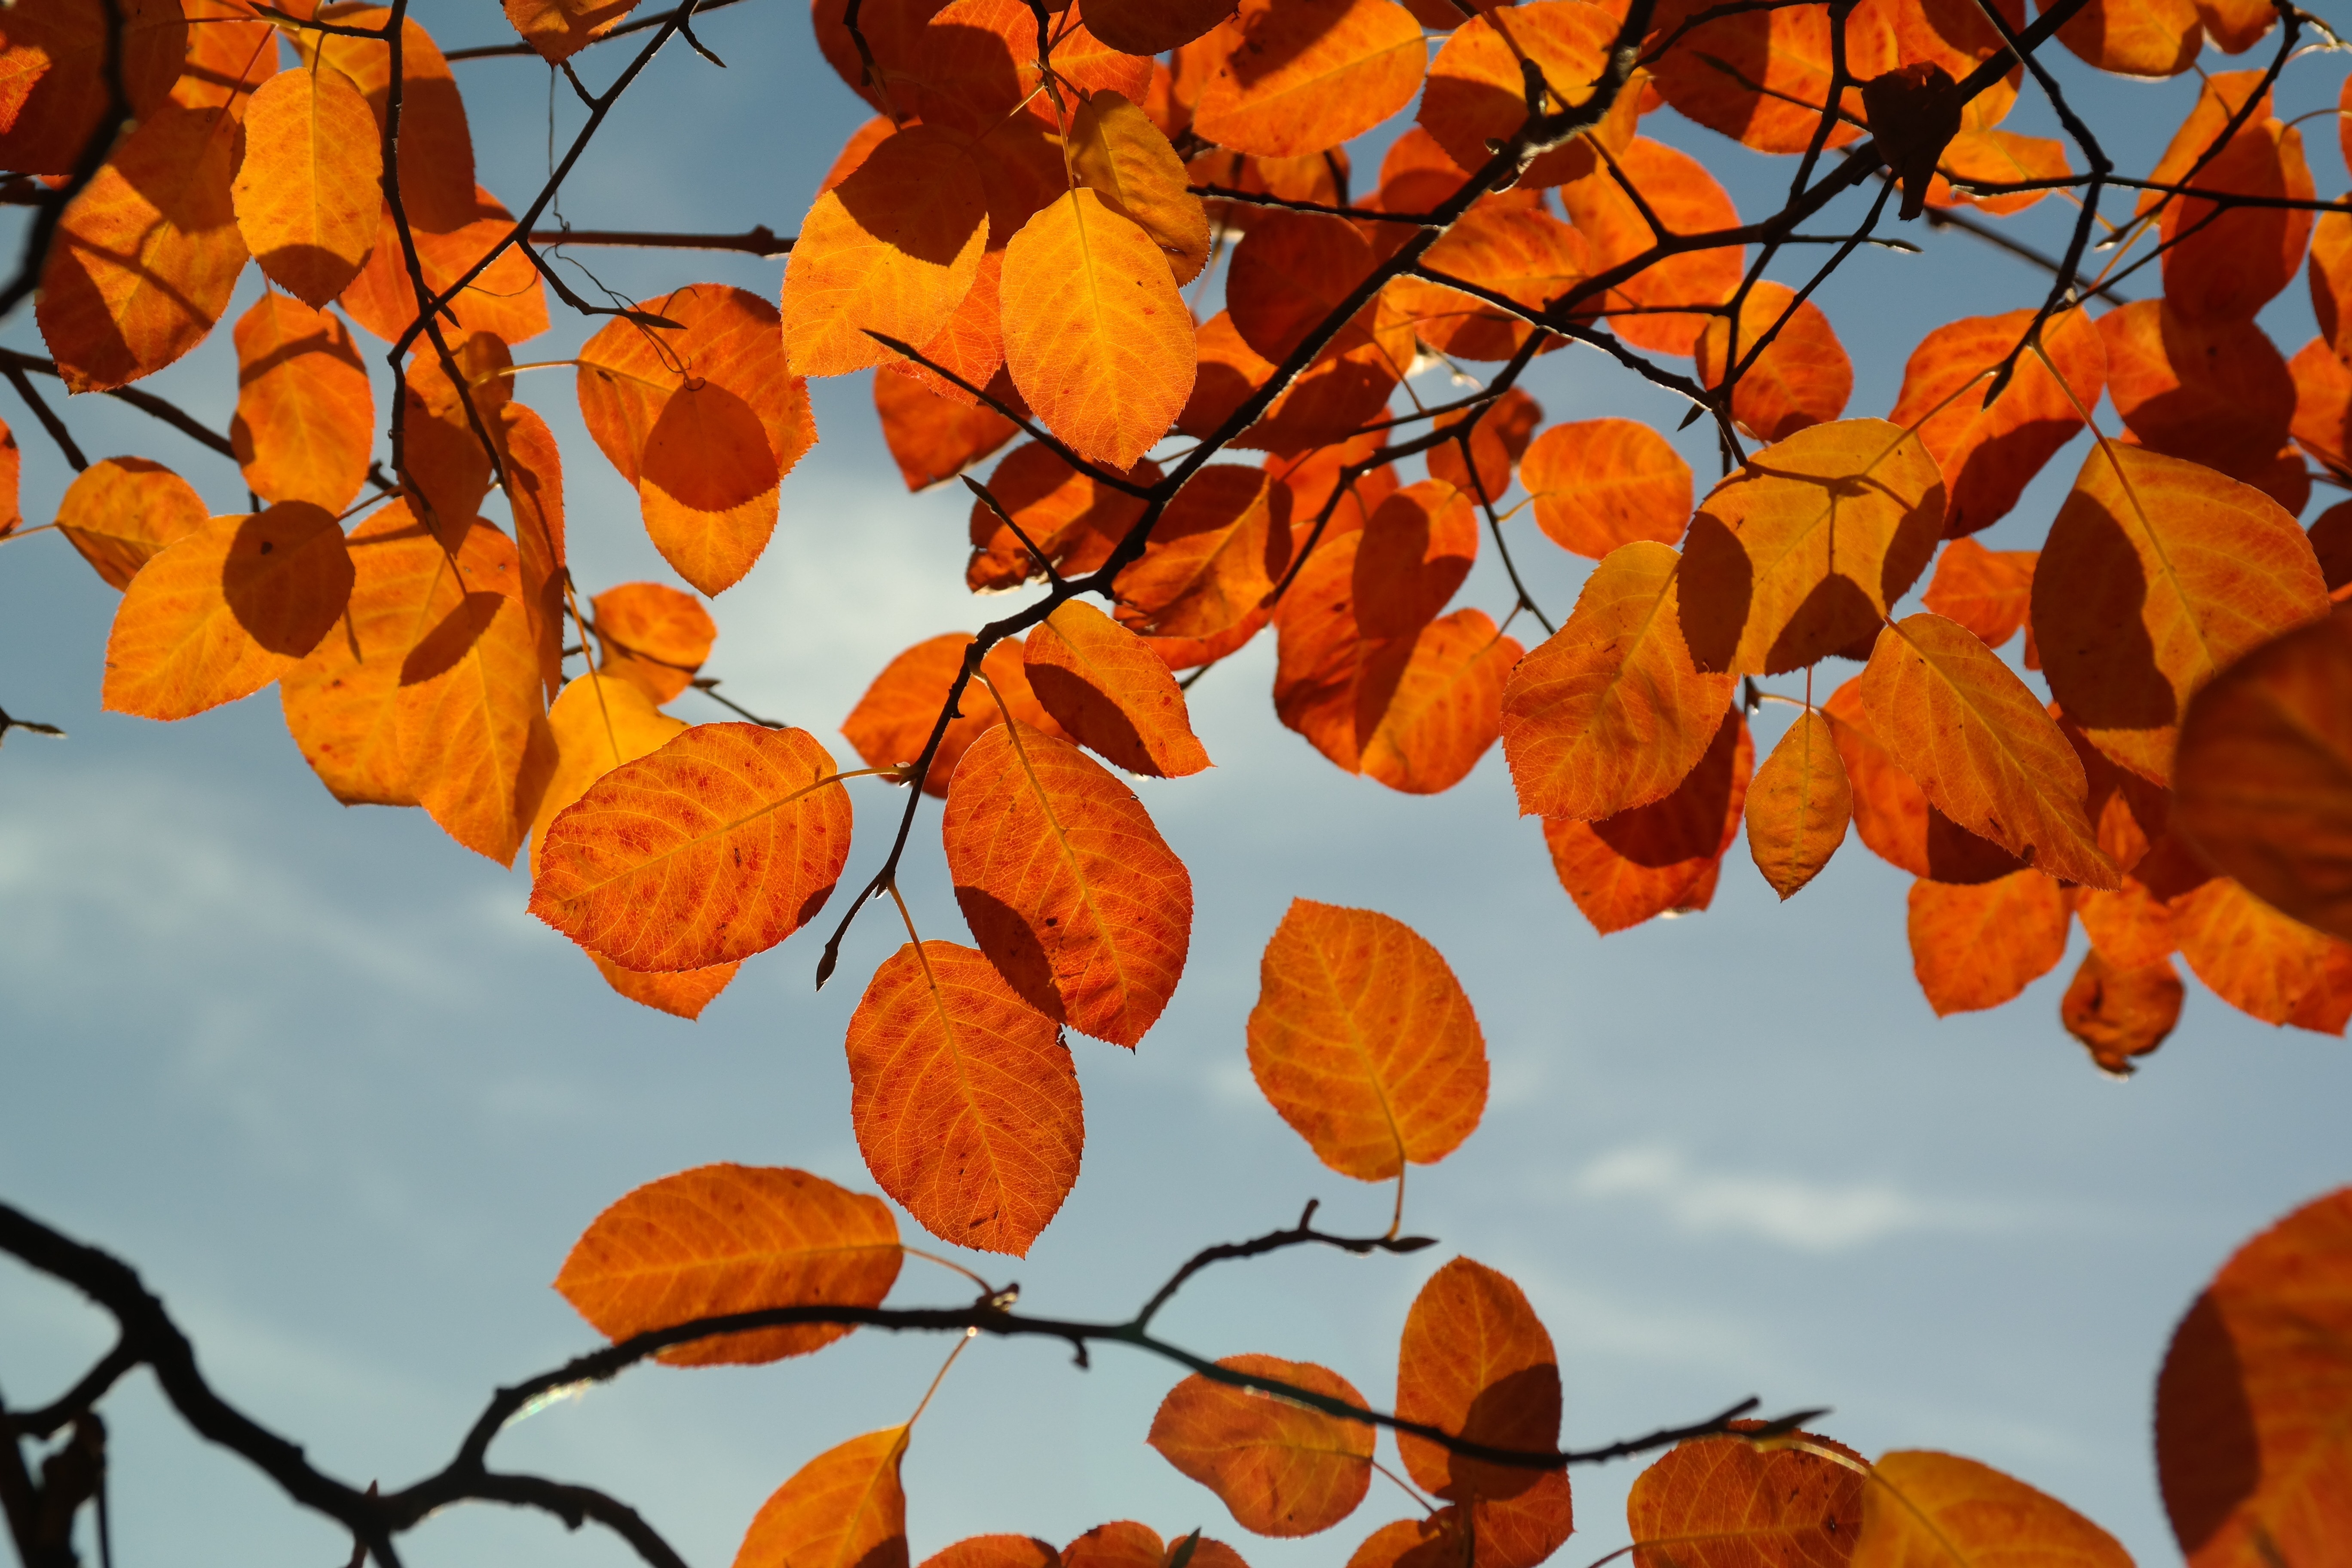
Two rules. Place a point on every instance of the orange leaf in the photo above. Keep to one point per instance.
(1213, 555)
(1997, 158)
(1896, 820)
(719, 846)
(2136, 38)
(2264, 774)
(1289, 274)
(1318, 650)
(1600, 483)
(559, 29)
(305, 425)
(308, 191)
(119, 512)
(995, 1551)
(721, 1239)
(448, 465)
(1428, 706)
(342, 702)
(2262, 962)
(652, 636)
(933, 438)
(1662, 856)
(1611, 713)
(1522, 252)
(1474, 1360)
(1939, 1508)
(2331, 279)
(507, 300)
(534, 491)
(1986, 591)
(1988, 455)
(2229, 262)
(1105, 686)
(2158, 573)
(598, 723)
(682, 995)
(1365, 1043)
(1805, 550)
(1074, 519)
(225, 610)
(2250, 1432)
(147, 255)
(1065, 883)
(1476, 91)
(1759, 77)
(844, 1509)
(53, 87)
(1977, 947)
(1981, 748)
(1497, 441)
(436, 149)
(1802, 377)
(964, 1098)
(976, 65)
(1283, 1469)
(1799, 806)
(1128, 161)
(892, 722)
(1314, 177)
(1415, 551)
(2215, 392)
(1310, 74)
(2130, 927)
(1096, 335)
(1154, 27)
(1687, 200)
(1722, 1502)
(2323, 405)
(1122, 1543)
(2119, 1013)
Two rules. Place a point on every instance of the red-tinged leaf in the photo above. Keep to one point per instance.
(1687, 200)
(1996, 158)
(1723, 1502)
(1345, 387)
(506, 300)
(1123, 1543)
(1065, 883)
(2251, 1441)
(147, 255)
(1799, 807)
(119, 512)
(1759, 77)
(893, 721)
(1987, 591)
(1895, 816)
(448, 465)
(1522, 252)
(1312, 477)
(53, 86)
(1474, 1360)
(2119, 1013)
(1318, 650)
(1283, 1469)
(2331, 279)
(704, 421)
(1803, 376)
(1660, 857)
(732, 1238)
(1364, 1040)
(225, 610)
(436, 149)
(2227, 262)
(2262, 962)
(308, 190)
(2130, 927)
(305, 425)
(598, 724)
(934, 438)
(964, 1098)
(1314, 177)
(651, 635)
(1110, 692)
(1428, 706)
(1431, 1542)
(977, 64)
(719, 846)
(2323, 405)
(681, 996)
(1213, 556)
(2214, 392)
(1988, 455)
(1415, 551)
(1310, 74)
(559, 29)
(844, 1509)
(1497, 441)
(2263, 782)
(341, 701)
(1805, 550)
(228, 57)
(2156, 573)
(995, 1551)
(1611, 713)
(1096, 335)
(1938, 1508)
(1601, 483)
(534, 490)
(2234, 26)
(1154, 27)
(2136, 38)
(1075, 518)
(1976, 947)
(1290, 273)
(1981, 748)
(1477, 92)
(893, 30)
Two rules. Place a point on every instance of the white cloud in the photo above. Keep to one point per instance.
(1788, 1211)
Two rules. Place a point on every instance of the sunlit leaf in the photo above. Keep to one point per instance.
(1893, 816)
(844, 1509)
(305, 425)
(2119, 1013)
(1925, 1508)
(1722, 1502)
(1663, 858)
(893, 721)
(1799, 807)
(1127, 162)
(652, 635)
(1283, 1469)
(1977, 947)
(1110, 692)
(119, 512)
(1476, 1360)
(1428, 706)
(308, 189)
(1801, 378)
(1600, 483)
(1310, 74)
(1988, 454)
(2262, 962)
(1213, 555)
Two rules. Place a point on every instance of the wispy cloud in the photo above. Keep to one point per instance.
(1787, 1211)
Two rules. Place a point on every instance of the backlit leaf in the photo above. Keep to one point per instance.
(1722, 1502)
(1292, 272)
(2251, 1436)
(844, 1509)
(1987, 591)
(1474, 1360)
(718, 846)
(1988, 455)
(732, 1238)
(53, 89)
(1799, 807)
(534, 489)
(1664, 857)
(341, 701)
(1073, 518)
(934, 438)
(506, 300)
(598, 723)
(1282, 1468)
(1065, 883)
(308, 190)
(1926, 1508)
(1497, 441)
(652, 635)
(1428, 706)
(1803, 376)
(1364, 1040)
(2216, 392)
(2136, 38)
(559, 29)
(436, 149)
(1687, 200)
(682, 995)
(2229, 262)
(964, 1098)
(2262, 962)
(1600, 483)
(1895, 818)
(119, 512)
(1126, 160)
(1806, 549)
(1522, 252)
(1773, 76)
(1154, 27)
(1213, 555)
(1416, 549)
(225, 610)
(1319, 648)
(1977, 947)
(2119, 1013)
(995, 1552)
(1109, 691)
(1310, 74)
(305, 425)
(1476, 92)
(892, 722)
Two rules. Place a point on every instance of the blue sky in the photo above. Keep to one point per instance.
(346, 1105)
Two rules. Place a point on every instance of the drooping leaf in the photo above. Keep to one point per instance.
(1663, 858)
(1724, 1502)
(893, 721)
(119, 512)
(1065, 883)
(1939, 1508)
(1600, 483)
(718, 846)
(308, 187)
(446, 461)
(2251, 1436)
(1799, 807)
(1428, 706)
(1895, 818)
(1109, 691)
(1988, 454)
(559, 29)
(2227, 262)
(341, 703)
(1802, 375)
(1364, 1042)
(2262, 962)
(729, 1238)
(844, 1509)
(1310, 74)
(305, 425)
(2119, 1013)
(1319, 652)
(1976, 947)
(682, 995)
(652, 637)
(1476, 1360)
(534, 490)
(1283, 1469)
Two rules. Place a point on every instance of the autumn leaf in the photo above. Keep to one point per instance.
(1725, 1502)
(1122, 1543)
(1075, 518)
(1416, 549)
(995, 1552)
(1989, 592)
(304, 428)
(1801, 378)
(1428, 706)
(1895, 818)
(681, 996)
(308, 189)
(1478, 95)
(2119, 1013)
(447, 464)
(436, 147)
(1664, 857)
(1283, 1469)
(559, 29)
(1498, 440)
(844, 1509)
(892, 722)
(1976, 947)
(2261, 961)
(964, 1098)
(719, 846)
(506, 298)
(1989, 453)
(2250, 1407)
(52, 61)
(598, 724)
(1310, 74)
(1125, 158)
(1938, 1508)
(1798, 805)
(2136, 38)
(1474, 1360)
(1600, 483)
(1778, 71)
(119, 512)
(1364, 1042)
(1318, 651)
(652, 637)
(1110, 692)
(1522, 252)
(931, 437)
(1212, 557)
(1679, 189)
(2215, 392)
(2227, 262)
(341, 701)
(534, 491)
(728, 1238)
